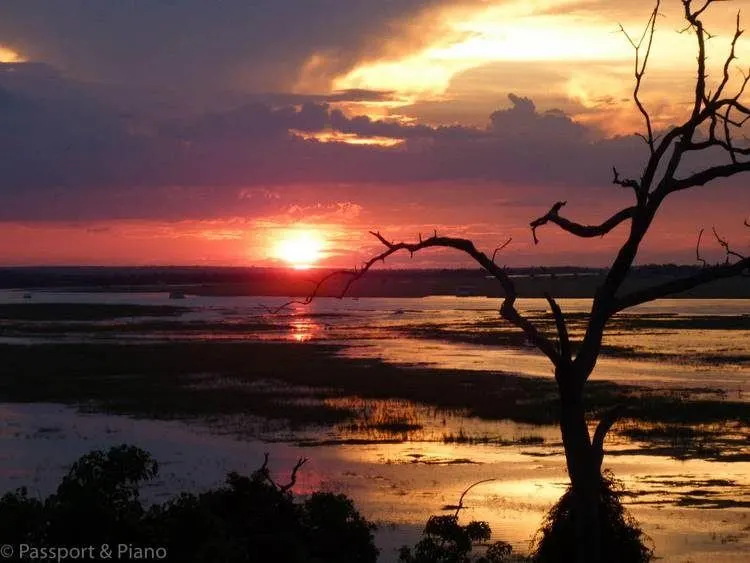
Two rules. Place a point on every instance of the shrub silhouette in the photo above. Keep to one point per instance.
(622, 540)
(254, 519)
(249, 519)
(446, 541)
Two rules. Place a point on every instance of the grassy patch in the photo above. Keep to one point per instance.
(204, 379)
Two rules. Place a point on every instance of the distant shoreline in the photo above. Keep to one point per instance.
(283, 282)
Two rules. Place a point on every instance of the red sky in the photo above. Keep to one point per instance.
(220, 134)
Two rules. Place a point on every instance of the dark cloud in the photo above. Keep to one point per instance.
(205, 45)
(72, 157)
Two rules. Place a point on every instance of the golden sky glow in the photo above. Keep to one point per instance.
(349, 138)
(8, 55)
(497, 33)
(571, 37)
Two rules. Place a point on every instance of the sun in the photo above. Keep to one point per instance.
(300, 249)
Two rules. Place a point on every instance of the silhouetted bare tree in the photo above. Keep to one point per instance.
(714, 117)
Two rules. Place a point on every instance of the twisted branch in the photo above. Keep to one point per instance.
(583, 231)
(507, 309)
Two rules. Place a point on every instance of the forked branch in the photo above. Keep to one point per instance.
(265, 474)
(641, 62)
(725, 246)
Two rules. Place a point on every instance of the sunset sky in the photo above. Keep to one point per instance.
(242, 132)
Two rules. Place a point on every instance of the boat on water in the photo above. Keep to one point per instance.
(176, 295)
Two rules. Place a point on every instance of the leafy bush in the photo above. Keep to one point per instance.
(249, 519)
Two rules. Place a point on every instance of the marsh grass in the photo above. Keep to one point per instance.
(308, 385)
(464, 438)
(718, 441)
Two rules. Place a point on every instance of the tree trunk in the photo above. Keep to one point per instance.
(585, 477)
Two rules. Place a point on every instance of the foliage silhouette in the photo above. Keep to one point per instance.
(622, 539)
(446, 541)
(249, 519)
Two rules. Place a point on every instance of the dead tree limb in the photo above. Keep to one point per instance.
(293, 477)
(672, 287)
(698, 256)
(507, 310)
(460, 505)
(577, 229)
(640, 70)
(607, 420)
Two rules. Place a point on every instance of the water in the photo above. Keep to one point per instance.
(383, 328)
(401, 484)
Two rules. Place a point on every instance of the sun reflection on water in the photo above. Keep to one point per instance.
(304, 330)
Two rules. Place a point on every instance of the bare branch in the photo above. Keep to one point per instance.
(353, 276)
(584, 231)
(608, 420)
(732, 56)
(698, 250)
(507, 310)
(562, 329)
(460, 505)
(706, 275)
(293, 478)
(500, 248)
(706, 176)
(263, 472)
(700, 33)
(725, 245)
(640, 71)
(625, 182)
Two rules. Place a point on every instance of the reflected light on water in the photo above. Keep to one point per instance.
(303, 330)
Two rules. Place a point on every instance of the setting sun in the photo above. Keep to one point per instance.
(300, 249)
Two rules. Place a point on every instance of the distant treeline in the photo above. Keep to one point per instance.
(562, 281)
